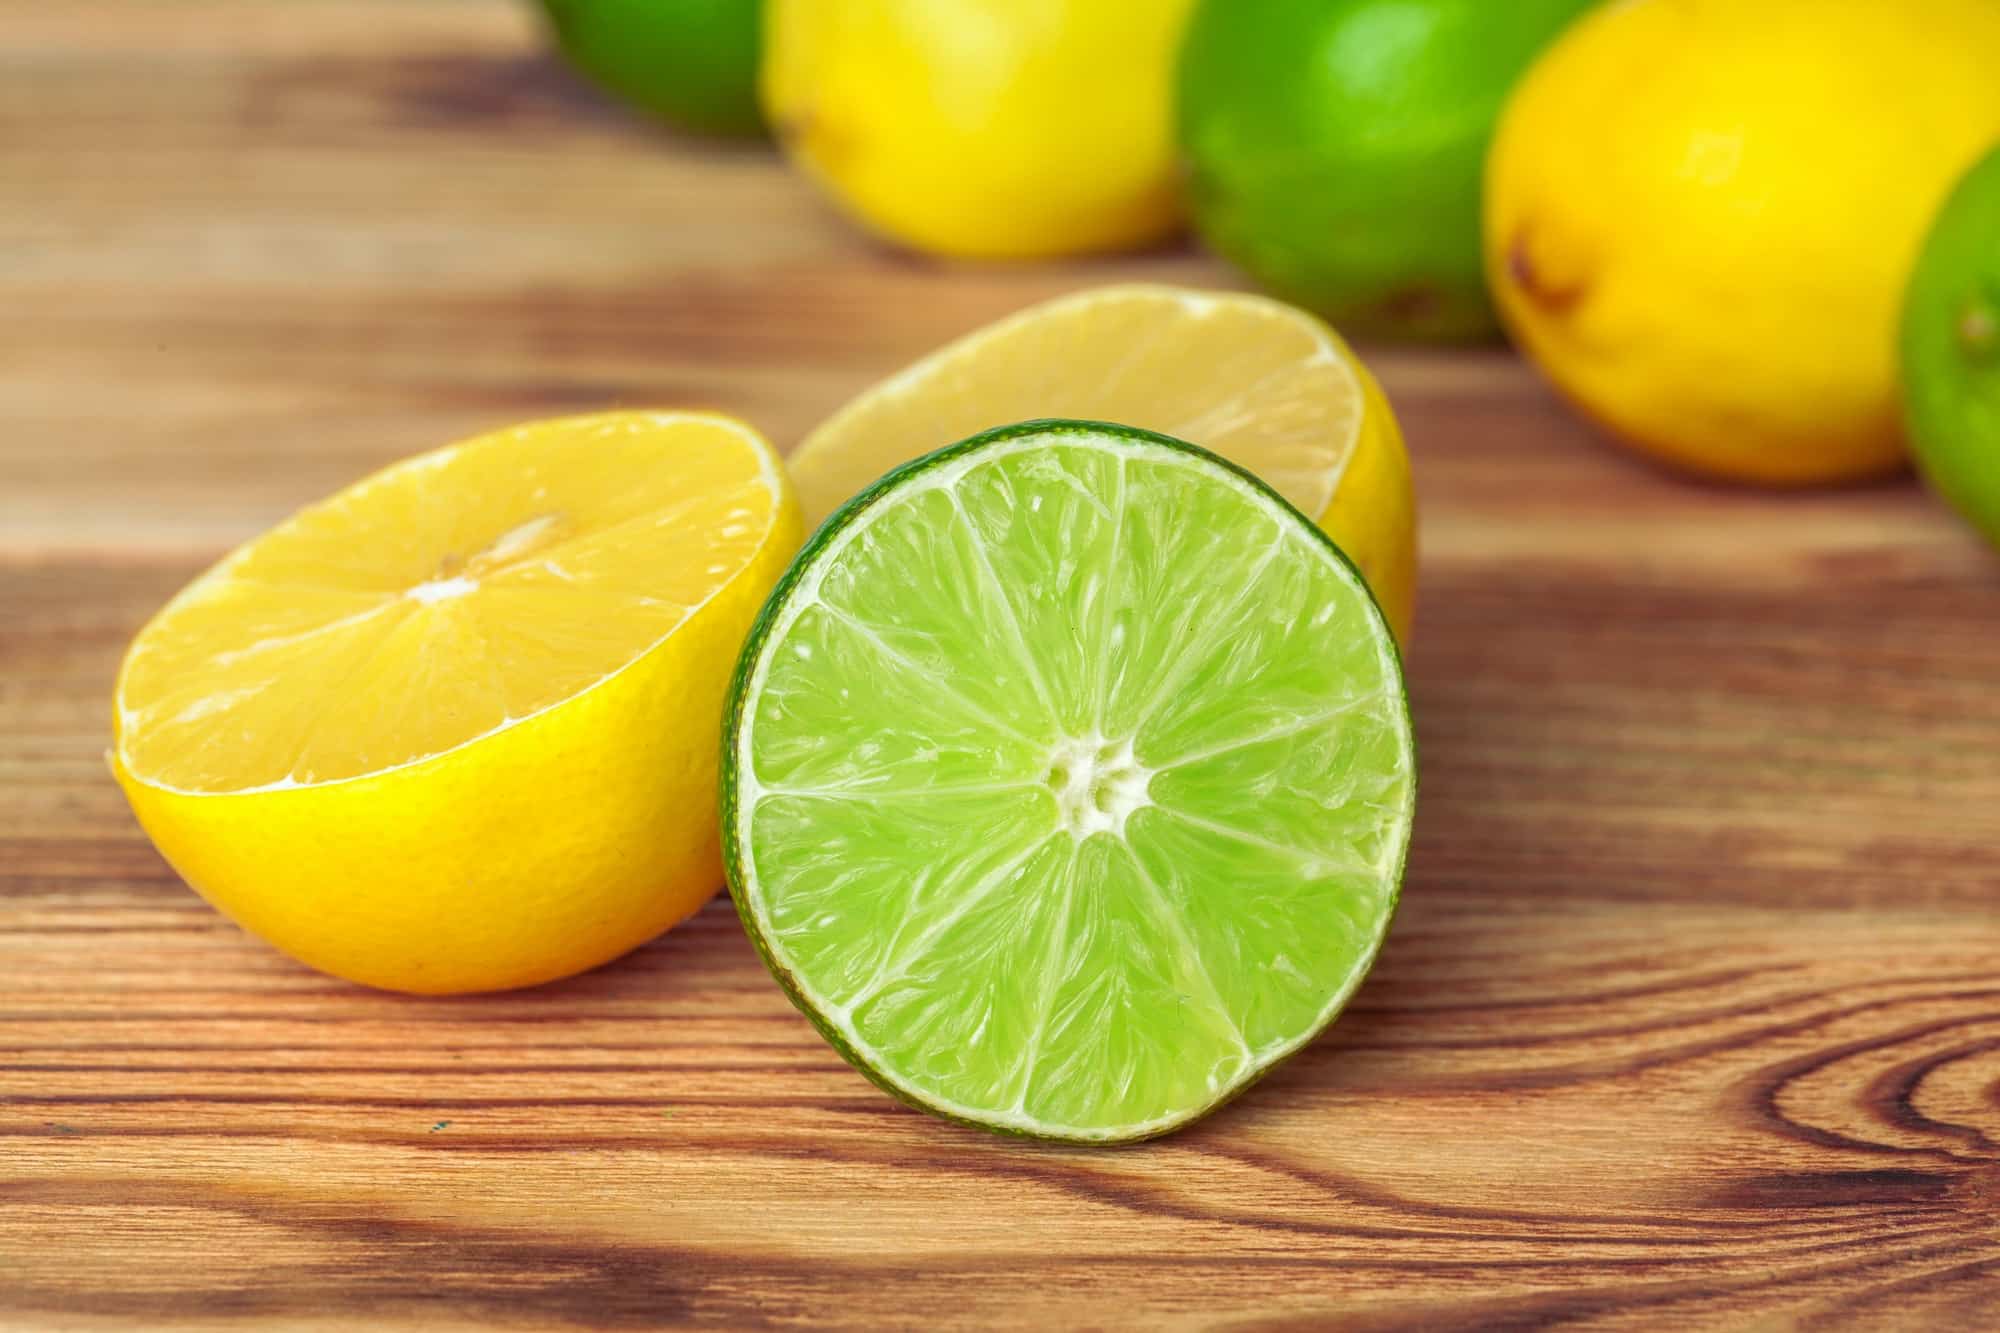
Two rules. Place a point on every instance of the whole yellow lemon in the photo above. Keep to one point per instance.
(1700, 216)
(983, 128)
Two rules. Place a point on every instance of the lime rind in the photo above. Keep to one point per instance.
(1235, 1060)
(1950, 349)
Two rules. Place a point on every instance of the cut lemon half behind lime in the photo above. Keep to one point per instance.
(1259, 382)
(455, 728)
(1068, 781)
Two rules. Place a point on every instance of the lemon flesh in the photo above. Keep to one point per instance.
(1069, 781)
(1700, 216)
(453, 728)
(1267, 386)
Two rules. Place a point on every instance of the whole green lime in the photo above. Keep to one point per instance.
(1951, 349)
(1335, 147)
(690, 62)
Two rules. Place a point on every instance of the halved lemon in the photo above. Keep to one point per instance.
(1261, 383)
(456, 727)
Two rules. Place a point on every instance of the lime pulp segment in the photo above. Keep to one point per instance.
(1070, 778)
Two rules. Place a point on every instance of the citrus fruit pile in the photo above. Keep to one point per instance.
(1065, 780)
(1064, 777)
(1699, 218)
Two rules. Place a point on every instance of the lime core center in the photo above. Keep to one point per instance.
(1097, 783)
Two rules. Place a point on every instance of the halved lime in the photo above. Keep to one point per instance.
(1068, 778)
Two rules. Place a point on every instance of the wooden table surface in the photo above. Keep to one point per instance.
(1691, 1017)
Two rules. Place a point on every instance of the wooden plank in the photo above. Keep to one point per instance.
(1691, 1018)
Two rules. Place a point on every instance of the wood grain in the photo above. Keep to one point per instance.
(1691, 1018)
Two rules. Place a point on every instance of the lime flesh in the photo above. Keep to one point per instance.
(1068, 781)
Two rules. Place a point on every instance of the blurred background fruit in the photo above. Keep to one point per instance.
(690, 62)
(983, 128)
(1951, 349)
(1335, 147)
(1701, 216)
